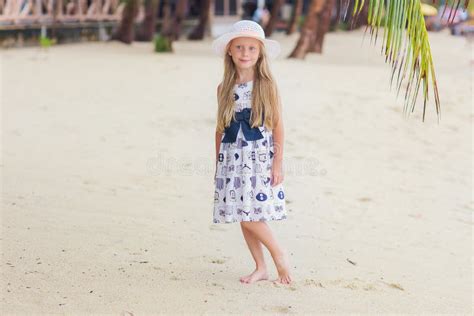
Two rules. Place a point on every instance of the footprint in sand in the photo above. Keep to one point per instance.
(289, 287)
(311, 282)
(353, 284)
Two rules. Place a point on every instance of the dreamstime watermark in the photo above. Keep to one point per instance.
(205, 166)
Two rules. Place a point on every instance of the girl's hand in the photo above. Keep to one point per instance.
(277, 173)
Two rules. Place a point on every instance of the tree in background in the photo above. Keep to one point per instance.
(276, 7)
(147, 28)
(296, 12)
(126, 31)
(179, 15)
(316, 44)
(310, 28)
(166, 35)
(204, 21)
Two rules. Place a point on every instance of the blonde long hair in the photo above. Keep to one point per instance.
(265, 95)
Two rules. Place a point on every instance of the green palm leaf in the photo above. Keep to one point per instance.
(406, 45)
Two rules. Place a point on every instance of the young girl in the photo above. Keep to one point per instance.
(249, 145)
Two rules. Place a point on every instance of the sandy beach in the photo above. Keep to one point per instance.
(107, 184)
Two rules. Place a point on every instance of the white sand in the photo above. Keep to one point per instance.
(103, 212)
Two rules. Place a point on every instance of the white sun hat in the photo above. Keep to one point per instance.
(246, 28)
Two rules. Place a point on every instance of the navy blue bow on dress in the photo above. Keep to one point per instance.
(242, 119)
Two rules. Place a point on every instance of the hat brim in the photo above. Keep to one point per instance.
(272, 47)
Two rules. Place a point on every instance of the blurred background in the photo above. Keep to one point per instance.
(35, 22)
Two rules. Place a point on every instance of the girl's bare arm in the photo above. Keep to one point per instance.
(278, 139)
(218, 143)
(218, 134)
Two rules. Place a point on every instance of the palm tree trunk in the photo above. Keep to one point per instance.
(147, 29)
(308, 32)
(126, 30)
(273, 17)
(167, 26)
(295, 15)
(179, 15)
(204, 18)
(322, 27)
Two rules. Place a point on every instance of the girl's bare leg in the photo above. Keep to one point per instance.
(263, 233)
(255, 246)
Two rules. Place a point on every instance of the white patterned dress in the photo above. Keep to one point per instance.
(243, 191)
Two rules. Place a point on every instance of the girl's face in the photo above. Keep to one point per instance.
(244, 51)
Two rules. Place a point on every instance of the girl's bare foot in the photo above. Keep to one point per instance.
(283, 268)
(257, 275)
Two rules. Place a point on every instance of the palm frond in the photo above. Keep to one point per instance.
(406, 45)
